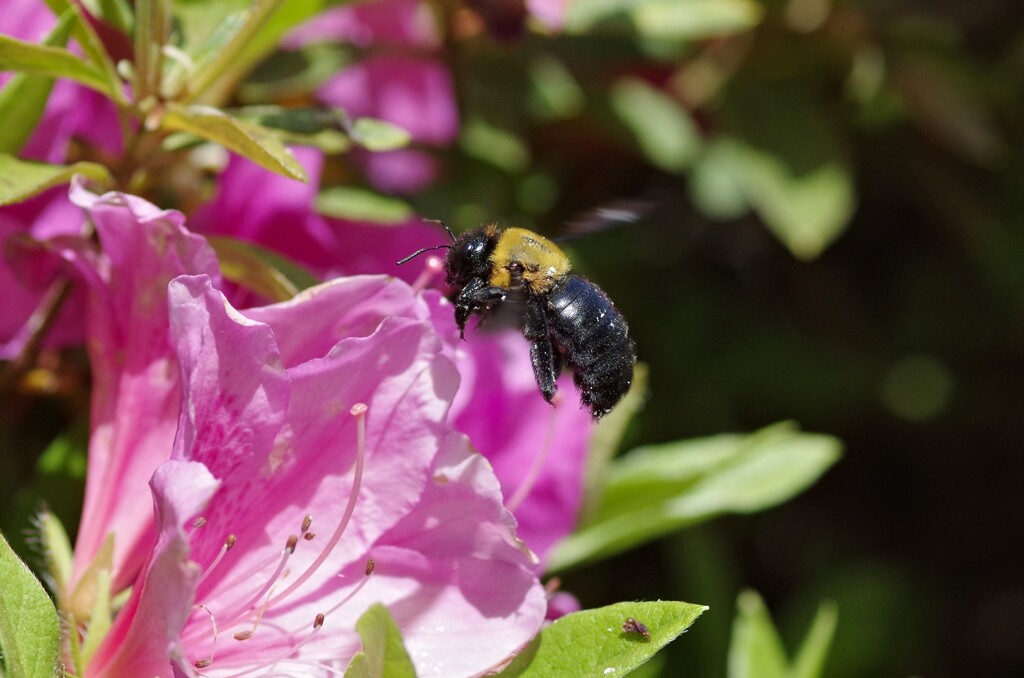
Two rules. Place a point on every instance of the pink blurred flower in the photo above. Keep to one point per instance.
(550, 13)
(402, 81)
(329, 408)
(28, 270)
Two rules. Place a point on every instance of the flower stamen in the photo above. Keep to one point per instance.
(228, 544)
(359, 412)
(430, 270)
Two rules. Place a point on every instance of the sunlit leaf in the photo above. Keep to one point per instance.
(29, 627)
(378, 135)
(360, 204)
(23, 99)
(27, 57)
(323, 128)
(383, 654)
(594, 643)
(255, 142)
(21, 179)
(655, 490)
(91, 45)
(695, 19)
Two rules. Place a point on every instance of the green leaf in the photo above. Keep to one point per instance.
(54, 62)
(29, 627)
(494, 145)
(246, 38)
(655, 490)
(383, 654)
(810, 660)
(91, 44)
(325, 128)
(260, 270)
(360, 204)
(756, 650)
(664, 130)
(695, 19)
(378, 135)
(788, 163)
(57, 550)
(21, 179)
(23, 99)
(255, 142)
(593, 642)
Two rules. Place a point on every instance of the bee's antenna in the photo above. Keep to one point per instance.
(439, 221)
(425, 249)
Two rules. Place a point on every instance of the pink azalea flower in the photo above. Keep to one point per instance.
(312, 439)
(135, 395)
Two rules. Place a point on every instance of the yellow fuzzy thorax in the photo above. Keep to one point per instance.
(541, 261)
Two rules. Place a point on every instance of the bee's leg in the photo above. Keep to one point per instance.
(475, 297)
(543, 355)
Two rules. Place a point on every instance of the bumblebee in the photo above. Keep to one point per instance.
(569, 321)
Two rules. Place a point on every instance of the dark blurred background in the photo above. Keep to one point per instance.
(838, 239)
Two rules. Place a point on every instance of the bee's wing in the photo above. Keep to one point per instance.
(609, 215)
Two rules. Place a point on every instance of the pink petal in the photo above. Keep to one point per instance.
(145, 633)
(135, 375)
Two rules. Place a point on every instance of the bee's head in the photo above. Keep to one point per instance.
(469, 256)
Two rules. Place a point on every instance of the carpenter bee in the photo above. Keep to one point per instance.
(569, 321)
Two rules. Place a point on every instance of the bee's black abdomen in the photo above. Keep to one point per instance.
(593, 340)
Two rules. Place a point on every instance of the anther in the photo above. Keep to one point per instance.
(309, 536)
(199, 522)
(202, 663)
(291, 543)
(306, 522)
(228, 544)
(318, 621)
(370, 565)
(243, 635)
